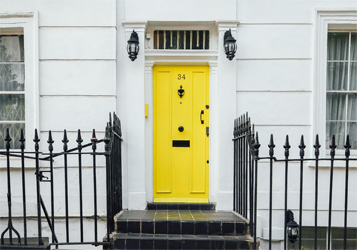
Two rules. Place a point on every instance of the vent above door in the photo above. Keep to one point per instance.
(181, 39)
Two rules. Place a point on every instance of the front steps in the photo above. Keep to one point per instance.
(180, 226)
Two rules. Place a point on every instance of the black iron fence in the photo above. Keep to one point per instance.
(83, 156)
(246, 166)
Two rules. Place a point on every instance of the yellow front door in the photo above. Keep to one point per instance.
(181, 133)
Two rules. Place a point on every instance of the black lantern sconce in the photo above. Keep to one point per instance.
(230, 46)
(292, 228)
(133, 46)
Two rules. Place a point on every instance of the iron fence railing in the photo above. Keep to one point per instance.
(246, 166)
(87, 152)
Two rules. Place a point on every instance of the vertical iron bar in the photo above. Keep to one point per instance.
(317, 153)
(38, 179)
(234, 164)
(22, 146)
(65, 148)
(9, 205)
(243, 170)
(256, 158)
(347, 154)
(50, 148)
(271, 154)
(94, 147)
(108, 178)
(302, 147)
(79, 142)
(332, 154)
(286, 147)
(239, 169)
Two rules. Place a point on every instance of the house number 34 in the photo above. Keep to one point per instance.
(180, 77)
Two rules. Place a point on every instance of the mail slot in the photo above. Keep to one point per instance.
(180, 143)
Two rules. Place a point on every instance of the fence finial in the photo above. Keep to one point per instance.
(50, 141)
(333, 146)
(256, 146)
(22, 139)
(79, 137)
(347, 146)
(317, 146)
(302, 146)
(65, 141)
(287, 146)
(271, 145)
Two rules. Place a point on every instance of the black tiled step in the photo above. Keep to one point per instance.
(181, 206)
(174, 241)
(187, 222)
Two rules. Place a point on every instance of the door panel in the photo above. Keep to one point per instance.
(180, 156)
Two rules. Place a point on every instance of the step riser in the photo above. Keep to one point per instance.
(204, 243)
(182, 227)
(181, 206)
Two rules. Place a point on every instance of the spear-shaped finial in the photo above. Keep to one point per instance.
(94, 140)
(50, 141)
(271, 146)
(65, 141)
(287, 146)
(302, 146)
(333, 146)
(256, 146)
(317, 146)
(347, 146)
(22, 140)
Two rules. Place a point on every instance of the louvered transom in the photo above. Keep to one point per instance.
(181, 39)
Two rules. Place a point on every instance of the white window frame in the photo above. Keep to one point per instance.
(327, 20)
(28, 22)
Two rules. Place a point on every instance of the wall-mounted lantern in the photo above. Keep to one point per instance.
(230, 46)
(292, 228)
(133, 46)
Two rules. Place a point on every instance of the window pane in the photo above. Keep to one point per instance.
(12, 107)
(11, 49)
(335, 106)
(337, 129)
(337, 76)
(352, 131)
(354, 46)
(353, 76)
(15, 133)
(352, 107)
(337, 46)
(12, 77)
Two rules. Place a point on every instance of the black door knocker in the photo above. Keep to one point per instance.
(181, 92)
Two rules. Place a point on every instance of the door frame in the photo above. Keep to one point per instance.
(213, 124)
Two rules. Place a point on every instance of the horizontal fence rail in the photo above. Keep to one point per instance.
(45, 172)
(246, 166)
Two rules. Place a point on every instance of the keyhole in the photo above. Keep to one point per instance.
(180, 129)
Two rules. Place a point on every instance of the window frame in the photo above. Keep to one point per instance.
(327, 21)
(28, 22)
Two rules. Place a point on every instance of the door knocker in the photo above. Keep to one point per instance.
(181, 92)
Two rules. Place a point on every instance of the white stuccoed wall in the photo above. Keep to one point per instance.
(84, 73)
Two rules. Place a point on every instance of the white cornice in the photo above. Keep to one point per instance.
(137, 25)
(226, 24)
(16, 15)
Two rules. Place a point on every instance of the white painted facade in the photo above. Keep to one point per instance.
(78, 70)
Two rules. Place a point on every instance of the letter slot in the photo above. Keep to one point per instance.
(180, 143)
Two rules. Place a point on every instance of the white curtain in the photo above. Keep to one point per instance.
(12, 81)
(341, 108)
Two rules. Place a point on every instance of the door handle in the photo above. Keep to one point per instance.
(202, 112)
